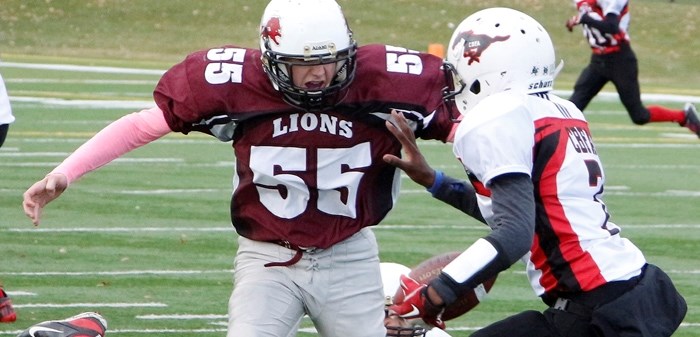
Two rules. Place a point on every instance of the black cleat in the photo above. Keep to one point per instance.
(691, 118)
(87, 324)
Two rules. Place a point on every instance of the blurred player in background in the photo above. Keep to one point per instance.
(305, 114)
(7, 312)
(605, 26)
(6, 117)
(537, 180)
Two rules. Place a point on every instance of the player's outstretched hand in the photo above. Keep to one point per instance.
(41, 193)
(413, 162)
(573, 21)
(584, 7)
(416, 304)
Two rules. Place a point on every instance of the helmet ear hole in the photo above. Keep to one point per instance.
(475, 88)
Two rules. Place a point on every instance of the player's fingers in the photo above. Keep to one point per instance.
(403, 310)
(28, 207)
(406, 144)
(408, 158)
(402, 125)
(406, 141)
(36, 218)
(408, 283)
(404, 132)
(406, 129)
(395, 161)
(35, 198)
(29, 200)
(390, 159)
(393, 129)
(438, 322)
(32, 211)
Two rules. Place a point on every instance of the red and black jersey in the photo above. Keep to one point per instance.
(602, 40)
(309, 178)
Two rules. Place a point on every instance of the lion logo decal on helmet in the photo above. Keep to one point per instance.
(475, 44)
(272, 30)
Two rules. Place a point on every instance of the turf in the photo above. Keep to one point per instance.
(158, 33)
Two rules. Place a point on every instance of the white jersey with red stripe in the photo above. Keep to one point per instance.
(576, 247)
(598, 10)
(6, 116)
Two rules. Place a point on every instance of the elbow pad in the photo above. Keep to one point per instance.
(480, 262)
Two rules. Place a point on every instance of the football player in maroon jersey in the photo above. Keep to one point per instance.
(305, 114)
(605, 26)
(537, 181)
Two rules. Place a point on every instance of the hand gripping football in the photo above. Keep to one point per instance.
(429, 269)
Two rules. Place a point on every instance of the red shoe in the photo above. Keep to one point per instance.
(7, 312)
(87, 324)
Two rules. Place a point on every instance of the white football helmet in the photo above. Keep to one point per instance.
(437, 332)
(307, 32)
(396, 326)
(391, 279)
(499, 49)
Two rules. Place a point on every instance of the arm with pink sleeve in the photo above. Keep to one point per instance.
(121, 136)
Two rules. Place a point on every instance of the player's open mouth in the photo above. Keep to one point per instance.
(314, 85)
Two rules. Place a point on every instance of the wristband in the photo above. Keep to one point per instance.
(439, 177)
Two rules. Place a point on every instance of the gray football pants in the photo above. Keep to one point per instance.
(339, 288)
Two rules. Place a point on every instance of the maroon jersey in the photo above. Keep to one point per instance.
(312, 179)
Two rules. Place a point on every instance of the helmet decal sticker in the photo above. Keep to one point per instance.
(272, 30)
(475, 44)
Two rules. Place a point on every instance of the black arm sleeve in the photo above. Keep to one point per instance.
(513, 202)
(459, 194)
(513, 231)
(609, 25)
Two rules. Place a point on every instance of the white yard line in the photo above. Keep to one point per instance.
(181, 316)
(77, 68)
(118, 273)
(27, 229)
(90, 305)
(93, 104)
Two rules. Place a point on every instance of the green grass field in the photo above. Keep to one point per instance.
(146, 240)
(156, 34)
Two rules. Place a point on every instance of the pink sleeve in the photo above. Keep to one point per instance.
(119, 137)
(451, 136)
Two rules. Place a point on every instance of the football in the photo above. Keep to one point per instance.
(429, 269)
